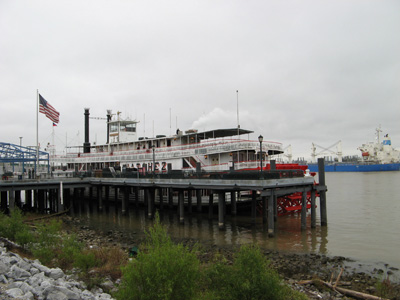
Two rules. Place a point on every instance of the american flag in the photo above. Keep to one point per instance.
(48, 110)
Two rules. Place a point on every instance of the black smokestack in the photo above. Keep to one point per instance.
(109, 114)
(86, 144)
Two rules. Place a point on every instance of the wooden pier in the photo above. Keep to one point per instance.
(59, 194)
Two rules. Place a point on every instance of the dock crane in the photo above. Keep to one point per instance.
(327, 150)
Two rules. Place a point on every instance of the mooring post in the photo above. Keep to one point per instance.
(106, 202)
(181, 204)
(160, 194)
(41, 201)
(265, 209)
(322, 194)
(91, 199)
(116, 198)
(136, 191)
(275, 207)
(170, 198)
(67, 198)
(51, 201)
(11, 199)
(271, 223)
(28, 200)
(36, 201)
(60, 198)
(125, 200)
(253, 206)
(210, 205)
(221, 210)
(81, 200)
(17, 199)
(313, 212)
(198, 197)
(3, 203)
(304, 210)
(189, 201)
(99, 197)
(233, 203)
(150, 201)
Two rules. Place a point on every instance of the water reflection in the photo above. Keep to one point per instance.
(238, 230)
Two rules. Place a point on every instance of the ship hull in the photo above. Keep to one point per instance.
(349, 167)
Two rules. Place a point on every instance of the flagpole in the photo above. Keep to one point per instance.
(37, 133)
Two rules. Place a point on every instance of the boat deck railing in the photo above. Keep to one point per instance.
(207, 148)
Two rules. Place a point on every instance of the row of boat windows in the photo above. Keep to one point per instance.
(123, 127)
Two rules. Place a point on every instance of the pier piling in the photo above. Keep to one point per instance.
(271, 223)
(304, 210)
(221, 210)
(322, 193)
(78, 195)
(181, 205)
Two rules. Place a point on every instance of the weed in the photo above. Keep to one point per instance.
(384, 288)
(250, 277)
(162, 270)
(13, 228)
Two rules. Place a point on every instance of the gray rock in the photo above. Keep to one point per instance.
(56, 273)
(29, 280)
(15, 292)
(34, 271)
(36, 264)
(3, 279)
(36, 279)
(28, 296)
(23, 286)
(24, 265)
(3, 268)
(18, 273)
(61, 290)
(86, 295)
(55, 295)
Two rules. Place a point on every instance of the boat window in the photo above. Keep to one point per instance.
(130, 127)
(114, 127)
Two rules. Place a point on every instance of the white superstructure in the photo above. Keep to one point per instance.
(380, 152)
(214, 150)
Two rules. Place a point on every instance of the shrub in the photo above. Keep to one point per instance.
(68, 251)
(162, 270)
(85, 260)
(48, 241)
(13, 228)
(250, 277)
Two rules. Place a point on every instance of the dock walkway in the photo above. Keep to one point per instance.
(57, 194)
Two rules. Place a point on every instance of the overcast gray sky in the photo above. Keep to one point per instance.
(306, 71)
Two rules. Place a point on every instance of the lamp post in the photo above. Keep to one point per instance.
(154, 160)
(260, 139)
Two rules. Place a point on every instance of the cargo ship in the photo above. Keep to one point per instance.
(378, 156)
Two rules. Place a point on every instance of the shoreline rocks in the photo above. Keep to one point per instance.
(25, 279)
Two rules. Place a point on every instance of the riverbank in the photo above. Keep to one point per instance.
(293, 267)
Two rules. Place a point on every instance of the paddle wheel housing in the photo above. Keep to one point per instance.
(292, 203)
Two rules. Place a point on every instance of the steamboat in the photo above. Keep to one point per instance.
(220, 153)
(211, 151)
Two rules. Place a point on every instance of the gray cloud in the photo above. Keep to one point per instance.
(306, 71)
